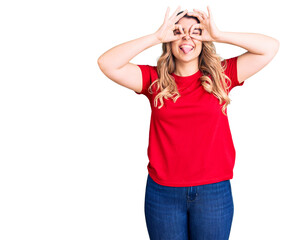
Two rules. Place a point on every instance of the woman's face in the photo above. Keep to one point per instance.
(180, 52)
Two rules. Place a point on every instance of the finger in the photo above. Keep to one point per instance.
(166, 14)
(204, 16)
(198, 15)
(195, 14)
(181, 15)
(209, 11)
(201, 12)
(195, 28)
(175, 13)
(197, 25)
(180, 36)
(199, 38)
(178, 27)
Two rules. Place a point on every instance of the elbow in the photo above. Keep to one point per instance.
(276, 46)
(99, 62)
(273, 48)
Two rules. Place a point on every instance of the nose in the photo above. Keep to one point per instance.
(187, 36)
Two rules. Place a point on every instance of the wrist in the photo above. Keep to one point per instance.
(156, 38)
(219, 36)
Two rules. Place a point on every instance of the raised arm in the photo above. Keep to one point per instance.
(115, 64)
(261, 49)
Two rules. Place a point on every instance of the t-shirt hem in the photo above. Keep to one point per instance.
(196, 183)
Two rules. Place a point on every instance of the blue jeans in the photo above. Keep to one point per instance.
(203, 212)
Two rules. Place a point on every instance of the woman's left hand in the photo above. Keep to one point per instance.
(209, 30)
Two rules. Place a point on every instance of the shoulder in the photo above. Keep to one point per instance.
(230, 70)
(149, 75)
(229, 63)
(148, 68)
(149, 71)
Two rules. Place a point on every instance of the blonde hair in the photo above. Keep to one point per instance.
(209, 64)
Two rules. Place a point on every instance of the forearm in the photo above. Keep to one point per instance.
(121, 54)
(253, 42)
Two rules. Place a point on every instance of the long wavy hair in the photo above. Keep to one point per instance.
(209, 64)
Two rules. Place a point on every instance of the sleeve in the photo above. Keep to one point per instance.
(231, 72)
(146, 78)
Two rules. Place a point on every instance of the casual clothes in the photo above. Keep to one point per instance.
(190, 141)
(196, 212)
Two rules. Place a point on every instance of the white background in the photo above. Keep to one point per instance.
(73, 143)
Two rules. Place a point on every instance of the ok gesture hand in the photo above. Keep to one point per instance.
(209, 30)
(166, 31)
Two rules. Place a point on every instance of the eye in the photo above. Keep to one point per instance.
(197, 31)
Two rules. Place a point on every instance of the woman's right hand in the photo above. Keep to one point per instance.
(166, 31)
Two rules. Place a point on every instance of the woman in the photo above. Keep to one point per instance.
(191, 152)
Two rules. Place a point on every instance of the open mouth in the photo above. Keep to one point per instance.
(186, 48)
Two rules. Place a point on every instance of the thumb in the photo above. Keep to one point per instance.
(180, 36)
(199, 38)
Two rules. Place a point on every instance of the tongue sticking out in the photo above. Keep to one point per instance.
(186, 49)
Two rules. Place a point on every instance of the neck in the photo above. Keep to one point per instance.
(186, 68)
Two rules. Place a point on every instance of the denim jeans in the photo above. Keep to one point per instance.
(203, 212)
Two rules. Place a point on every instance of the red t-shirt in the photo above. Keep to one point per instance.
(190, 141)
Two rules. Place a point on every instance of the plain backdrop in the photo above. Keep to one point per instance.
(73, 143)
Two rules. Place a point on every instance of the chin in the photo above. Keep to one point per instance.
(186, 58)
